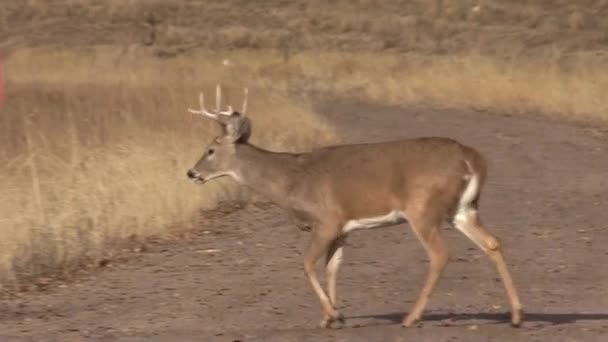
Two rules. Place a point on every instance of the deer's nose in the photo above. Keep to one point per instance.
(191, 173)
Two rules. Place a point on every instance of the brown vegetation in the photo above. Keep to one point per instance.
(499, 28)
(95, 158)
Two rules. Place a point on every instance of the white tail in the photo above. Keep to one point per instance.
(335, 190)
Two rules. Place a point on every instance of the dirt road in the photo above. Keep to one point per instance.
(240, 276)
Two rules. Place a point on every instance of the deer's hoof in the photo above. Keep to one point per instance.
(516, 319)
(328, 321)
(409, 321)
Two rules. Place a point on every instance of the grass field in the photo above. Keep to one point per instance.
(96, 139)
(96, 160)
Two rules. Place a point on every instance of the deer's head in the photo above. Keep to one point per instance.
(219, 157)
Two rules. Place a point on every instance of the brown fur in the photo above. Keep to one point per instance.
(424, 178)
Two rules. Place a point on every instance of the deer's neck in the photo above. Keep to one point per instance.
(269, 173)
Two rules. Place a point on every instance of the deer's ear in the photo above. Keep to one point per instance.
(237, 128)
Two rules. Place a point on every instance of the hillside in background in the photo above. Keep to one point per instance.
(500, 28)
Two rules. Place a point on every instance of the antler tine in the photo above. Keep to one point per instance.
(228, 111)
(244, 108)
(201, 101)
(202, 111)
(218, 102)
(218, 97)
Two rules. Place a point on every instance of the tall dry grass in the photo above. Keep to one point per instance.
(96, 156)
(567, 85)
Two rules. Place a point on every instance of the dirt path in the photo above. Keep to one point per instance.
(240, 277)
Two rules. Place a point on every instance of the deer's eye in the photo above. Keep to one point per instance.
(211, 151)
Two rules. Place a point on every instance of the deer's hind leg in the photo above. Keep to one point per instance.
(468, 222)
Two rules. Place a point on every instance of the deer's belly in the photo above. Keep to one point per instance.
(392, 218)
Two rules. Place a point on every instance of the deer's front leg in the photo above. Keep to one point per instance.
(322, 239)
(332, 264)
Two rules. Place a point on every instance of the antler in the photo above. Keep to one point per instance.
(218, 100)
(203, 111)
(218, 97)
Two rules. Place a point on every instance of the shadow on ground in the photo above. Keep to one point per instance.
(549, 318)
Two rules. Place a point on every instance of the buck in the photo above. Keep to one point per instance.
(336, 190)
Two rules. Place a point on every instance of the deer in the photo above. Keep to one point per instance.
(335, 190)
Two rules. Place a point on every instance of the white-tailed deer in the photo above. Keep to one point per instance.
(335, 190)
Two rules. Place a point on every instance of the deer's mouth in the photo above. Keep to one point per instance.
(196, 177)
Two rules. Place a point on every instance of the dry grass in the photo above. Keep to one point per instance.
(568, 85)
(95, 159)
(494, 27)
